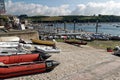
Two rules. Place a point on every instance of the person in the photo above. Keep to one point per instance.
(117, 50)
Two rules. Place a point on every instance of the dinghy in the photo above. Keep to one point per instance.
(75, 42)
(9, 39)
(43, 42)
(8, 50)
(16, 58)
(9, 44)
(12, 69)
(4, 51)
(47, 49)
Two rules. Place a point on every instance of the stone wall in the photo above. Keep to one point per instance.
(25, 34)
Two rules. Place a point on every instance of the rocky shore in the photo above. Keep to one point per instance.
(80, 63)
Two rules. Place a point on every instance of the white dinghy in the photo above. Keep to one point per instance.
(9, 44)
(47, 49)
(9, 39)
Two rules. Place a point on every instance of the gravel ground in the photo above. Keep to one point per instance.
(73, 60)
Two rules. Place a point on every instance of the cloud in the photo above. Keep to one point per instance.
(35, 9)
(91, 8)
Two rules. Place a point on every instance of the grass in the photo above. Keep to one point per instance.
(104, 44)
(99, 44)
(60, 40)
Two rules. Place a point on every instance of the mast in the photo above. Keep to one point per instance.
(96, 26)
(74, 27)
(65, 27)
(2, 7)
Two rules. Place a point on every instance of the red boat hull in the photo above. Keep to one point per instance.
(25, 69)
(10, 59)
(24, 64)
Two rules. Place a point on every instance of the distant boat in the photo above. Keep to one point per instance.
(115, 38)
(75, 42)
(50, 25)
(118, 26)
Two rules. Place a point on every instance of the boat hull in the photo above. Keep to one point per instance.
(18, 70)
(14, 67)
(8, 50)
(10, 59)
(9, 44)
(47, 49)
(42, 42)
(75, 42)
(9, 39)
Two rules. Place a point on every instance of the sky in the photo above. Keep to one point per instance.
(62, 7)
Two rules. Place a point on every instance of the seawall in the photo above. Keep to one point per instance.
(23, 34)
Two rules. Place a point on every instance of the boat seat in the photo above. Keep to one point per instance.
(16, 64)
(22, 63)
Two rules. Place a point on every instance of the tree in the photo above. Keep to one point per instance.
(23, 16)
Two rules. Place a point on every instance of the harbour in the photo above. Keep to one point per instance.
(106, 28)
(59, 40)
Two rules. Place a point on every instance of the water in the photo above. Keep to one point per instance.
(108, 28)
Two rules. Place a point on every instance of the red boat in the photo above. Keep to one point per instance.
(10, 59)
(75, 42)
(16, 65)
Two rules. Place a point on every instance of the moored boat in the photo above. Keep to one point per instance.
(115, 37)
(43, 42)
